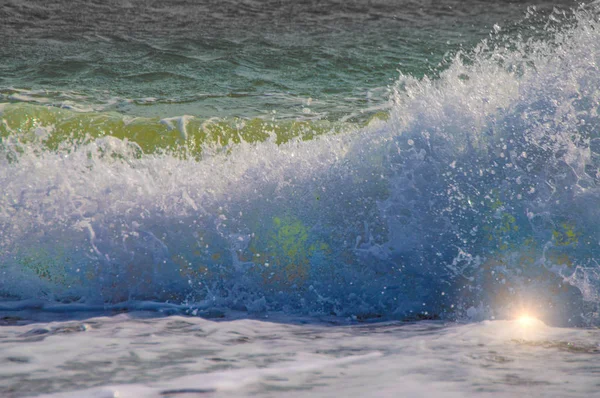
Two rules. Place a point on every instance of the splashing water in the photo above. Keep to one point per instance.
(478, 195)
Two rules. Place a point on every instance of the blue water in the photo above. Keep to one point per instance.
(472, 194)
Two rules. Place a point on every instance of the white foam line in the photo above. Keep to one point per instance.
(26, 98)
(180, 121)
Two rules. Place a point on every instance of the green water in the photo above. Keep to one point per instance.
(54, 128)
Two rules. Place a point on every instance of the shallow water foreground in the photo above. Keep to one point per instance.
(140, 355)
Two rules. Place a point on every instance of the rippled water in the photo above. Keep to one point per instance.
(324, 59)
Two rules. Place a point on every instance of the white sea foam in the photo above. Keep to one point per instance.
(136, 356)
(179, 122)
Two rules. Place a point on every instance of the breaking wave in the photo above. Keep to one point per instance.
(477, 195)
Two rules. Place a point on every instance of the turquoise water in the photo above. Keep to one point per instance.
(362, 160)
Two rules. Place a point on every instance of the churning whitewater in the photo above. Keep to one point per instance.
(478, 195)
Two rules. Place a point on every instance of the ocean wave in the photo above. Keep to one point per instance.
(477, 197)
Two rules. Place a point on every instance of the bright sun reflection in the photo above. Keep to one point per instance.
(526, 320)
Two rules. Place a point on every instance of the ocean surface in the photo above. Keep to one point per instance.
(309, 198)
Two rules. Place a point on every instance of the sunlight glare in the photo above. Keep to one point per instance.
(526, 320)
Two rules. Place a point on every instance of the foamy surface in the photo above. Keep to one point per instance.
(138, 355)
